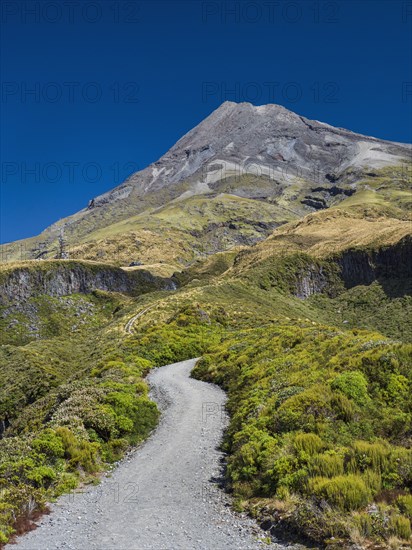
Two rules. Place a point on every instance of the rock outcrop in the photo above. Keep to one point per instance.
(67, 277)
(312, 280)
(391, 266)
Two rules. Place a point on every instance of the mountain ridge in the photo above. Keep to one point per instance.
(261, 153)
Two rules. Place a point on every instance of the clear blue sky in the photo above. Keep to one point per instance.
(115, 83)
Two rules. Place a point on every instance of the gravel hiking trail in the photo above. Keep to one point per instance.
(164, 494)
(129, 325)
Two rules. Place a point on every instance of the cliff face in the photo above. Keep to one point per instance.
(65, 278)
(312, 280)
(362, 267)
(391, 266)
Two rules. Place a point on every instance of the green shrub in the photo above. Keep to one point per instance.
(327, 465)
(7, 513)
(364, 523)
(67, 481)
(398, 388)
(400, 526)
(42, 476)
(375, 455)
(343, 407)
(347, 492)
(49, 444)
(404, 504)
(303, 410)
(373, 480)
(401, 465)
(353, 384)
(115, 449)
(79, 452)
(309, 443)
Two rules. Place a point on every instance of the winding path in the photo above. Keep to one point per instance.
(164, 494)
(129, 325)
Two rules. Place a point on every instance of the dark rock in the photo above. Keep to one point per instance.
(313, 202)
(311, 281)
(390, 265)
(331, 177)
(266, 524)
(334, 191)
(65, 278)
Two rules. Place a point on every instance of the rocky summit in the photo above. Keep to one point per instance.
(258, 154)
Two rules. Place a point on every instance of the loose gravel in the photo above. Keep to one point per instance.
(163, 495)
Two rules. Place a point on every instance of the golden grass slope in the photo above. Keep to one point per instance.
(181, 232)
(329, 232)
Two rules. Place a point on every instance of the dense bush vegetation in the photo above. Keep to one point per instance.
(367, 307)
(320, 428)
(71, 432)
(80, 402)
(320, 436)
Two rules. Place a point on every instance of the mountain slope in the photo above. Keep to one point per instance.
(275, 279)
(264, 154)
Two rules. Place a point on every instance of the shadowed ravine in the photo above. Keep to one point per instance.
(162, 495)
